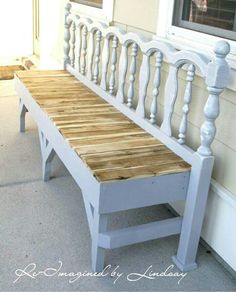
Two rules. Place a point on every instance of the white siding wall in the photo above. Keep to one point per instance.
(218, 229)
(16, 28)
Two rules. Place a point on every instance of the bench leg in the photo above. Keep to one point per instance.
(48, 154)
(98, 253)
(193, 217)
(22, 111)
(90, 213)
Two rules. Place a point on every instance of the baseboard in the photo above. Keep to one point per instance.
(219, 223)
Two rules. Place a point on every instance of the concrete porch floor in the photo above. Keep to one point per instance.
(45, 223)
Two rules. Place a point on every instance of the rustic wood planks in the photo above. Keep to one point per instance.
(110, 144)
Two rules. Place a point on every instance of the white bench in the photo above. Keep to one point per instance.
(110, 140)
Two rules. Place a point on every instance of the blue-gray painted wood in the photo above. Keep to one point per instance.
(67, 35)
(187, 100)
(194, 213)
(156, 85)
(216, 79)
(89, 212)
(48, 154)
(98, 253)
(119, 195)
(140, 233)
(22, 112)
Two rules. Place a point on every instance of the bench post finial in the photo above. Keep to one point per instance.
(67, 35)
(216, 79)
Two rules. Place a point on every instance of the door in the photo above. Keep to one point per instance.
(36, 27)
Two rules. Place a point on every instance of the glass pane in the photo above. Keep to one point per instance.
(216, 13)
(94, 3)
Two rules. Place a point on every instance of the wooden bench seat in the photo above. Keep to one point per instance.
(110, 144)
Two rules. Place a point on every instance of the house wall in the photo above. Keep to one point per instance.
(137, 14)
(139, 17)
(144, 21)
(218, 229)
(51, 33)
(16, 28)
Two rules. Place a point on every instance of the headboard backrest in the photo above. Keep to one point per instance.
(99, 55)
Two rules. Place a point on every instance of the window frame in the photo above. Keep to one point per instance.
(218, 32)
(186, 39)
(104, 13)
(183, 38)
(88, 3)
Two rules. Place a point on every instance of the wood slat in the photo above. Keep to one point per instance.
(76, 103)
(132, 162)
(102, 128)
(102, 134)
(104, 140)
(79, 95)
(109, 143)
(126, 154)
(81, 111)
(52, 90)
(141, 171)
(100, 148)
(64, 106)
(89, 120)
(92, 123)
(40, 73)
(61, 107)
(81, 117)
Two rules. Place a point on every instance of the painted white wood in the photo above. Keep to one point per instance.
(84, 49)
(67, 35)
(78, 47)
(113, 65)
(194, 213)
(98, 253)
(172, 55)
(171, 91)
(22, 112)
(105, 62)
(97, 56)
(216, 80)
(90, 56)
(140, 233)
(48, 154)
(144, 76)
(156, 85)
(89, 212)
(170, 188)
(187, 101)
(73, 29)
(133, 68)
(122, 73)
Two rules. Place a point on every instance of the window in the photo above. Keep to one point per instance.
(198, 25)
(93, 3)
(215, 17)
(101, 10)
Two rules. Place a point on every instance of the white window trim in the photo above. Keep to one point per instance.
(183, 38)
(105, 14)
